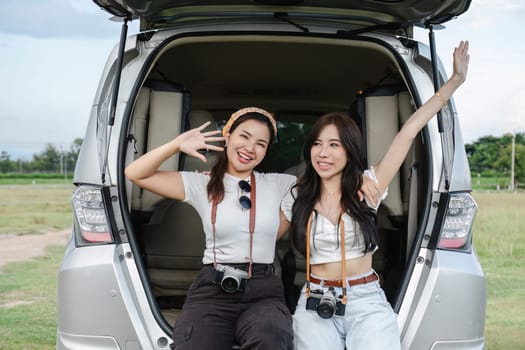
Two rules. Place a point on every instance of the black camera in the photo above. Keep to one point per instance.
(325, 303)
(230, 279)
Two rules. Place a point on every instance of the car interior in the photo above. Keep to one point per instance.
(197, 79)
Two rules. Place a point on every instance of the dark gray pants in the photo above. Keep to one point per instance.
(254, 319)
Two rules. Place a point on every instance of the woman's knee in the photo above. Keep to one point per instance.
(266, 328)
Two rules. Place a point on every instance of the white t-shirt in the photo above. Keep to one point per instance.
(232, 237)
(325, 242)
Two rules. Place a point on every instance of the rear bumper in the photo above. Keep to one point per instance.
(71, 342)
(477, 344)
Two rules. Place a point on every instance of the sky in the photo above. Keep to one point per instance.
(52, 54)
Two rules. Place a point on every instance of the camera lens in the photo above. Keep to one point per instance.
(325, 310)
(327, 304)
(229, 284)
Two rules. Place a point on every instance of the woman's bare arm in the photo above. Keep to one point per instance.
(398, 149)
(145, 172)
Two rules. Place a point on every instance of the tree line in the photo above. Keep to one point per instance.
(489, 156)
(50, 160)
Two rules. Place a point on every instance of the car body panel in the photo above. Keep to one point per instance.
(460, 179)
(441, 301)
(103, 280)
(98, 134)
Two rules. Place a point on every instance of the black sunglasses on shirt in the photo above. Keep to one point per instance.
(244, 201)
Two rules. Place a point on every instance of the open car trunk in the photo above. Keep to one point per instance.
(201, 78)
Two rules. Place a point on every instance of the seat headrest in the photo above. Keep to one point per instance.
(195, 119)
(198, 117)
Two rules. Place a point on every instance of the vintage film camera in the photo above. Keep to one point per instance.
(325, 303)
(230, 279)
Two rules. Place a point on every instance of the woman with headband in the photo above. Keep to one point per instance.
(236, 298)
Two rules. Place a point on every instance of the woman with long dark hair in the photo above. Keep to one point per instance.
(342, 303)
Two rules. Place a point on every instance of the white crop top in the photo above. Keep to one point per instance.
(232, 237)
(325, 245)
(325, 242)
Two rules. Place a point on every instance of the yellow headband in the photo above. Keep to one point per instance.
(247, 110)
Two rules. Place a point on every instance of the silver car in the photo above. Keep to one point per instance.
(133, 254)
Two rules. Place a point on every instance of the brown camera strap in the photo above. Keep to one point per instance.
(252, 224)
(343, 256)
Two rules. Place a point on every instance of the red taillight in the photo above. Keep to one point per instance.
(90, 215)
(459, 218)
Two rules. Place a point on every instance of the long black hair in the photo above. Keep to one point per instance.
(308, 186)
(216, 185)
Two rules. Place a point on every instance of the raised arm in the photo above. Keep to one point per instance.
(398, 149)
(145, 172)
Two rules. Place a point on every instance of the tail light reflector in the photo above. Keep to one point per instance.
(91, 215)
(459, 218)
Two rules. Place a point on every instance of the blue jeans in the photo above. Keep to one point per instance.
(369, 322)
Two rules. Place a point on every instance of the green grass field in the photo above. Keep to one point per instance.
(35, 208)
(499, 237)
(28, 289)
(28, 311)
(492, 183)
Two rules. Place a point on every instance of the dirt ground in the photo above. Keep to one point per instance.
(20, 247)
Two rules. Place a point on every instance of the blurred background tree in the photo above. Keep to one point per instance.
(51, 160)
